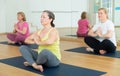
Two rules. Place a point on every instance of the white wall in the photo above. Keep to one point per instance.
(12, 7)
(67, 12)
(2, 16)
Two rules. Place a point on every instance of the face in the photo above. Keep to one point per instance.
(19, 17)
(102, 15)
(45, 20)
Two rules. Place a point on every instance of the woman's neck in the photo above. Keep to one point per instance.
(104, 20)
(47, 26)
(21, 21)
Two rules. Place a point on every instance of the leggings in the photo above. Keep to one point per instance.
(16, 38)
(45, 57)
(82, 35)
(95, 44)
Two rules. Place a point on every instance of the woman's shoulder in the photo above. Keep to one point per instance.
(25, 23)
(110, 22)
(84, 20)
(54, 30)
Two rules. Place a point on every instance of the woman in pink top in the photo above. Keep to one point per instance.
(21, 30)
(83, 25)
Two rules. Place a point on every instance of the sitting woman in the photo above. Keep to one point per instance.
(48, 53)
(83, 26)
(101, 37)
(21, 30)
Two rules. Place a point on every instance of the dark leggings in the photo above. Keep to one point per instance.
(95, 44)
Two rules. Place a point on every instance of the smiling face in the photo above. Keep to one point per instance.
(19, 17)
(102, 15)
(45, 20)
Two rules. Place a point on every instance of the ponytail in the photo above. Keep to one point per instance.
(51, 16)
(52, 24)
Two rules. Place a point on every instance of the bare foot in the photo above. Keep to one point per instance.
(38, 67)
(89, 49)
(102, 52)
(26, 64)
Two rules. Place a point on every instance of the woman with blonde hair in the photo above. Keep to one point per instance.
(21, 30)
(101, 39)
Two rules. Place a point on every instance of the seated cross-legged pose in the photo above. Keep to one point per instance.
(21, 30)
(48, 53)
(101, 39)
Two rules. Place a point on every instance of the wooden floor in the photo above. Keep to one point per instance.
(100, 63)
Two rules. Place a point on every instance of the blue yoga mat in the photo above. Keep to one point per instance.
(6, 43)
(83, 50)
(61, 70)
(72, 35)
(33, 46)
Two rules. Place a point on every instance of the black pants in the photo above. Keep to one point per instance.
(95, 44)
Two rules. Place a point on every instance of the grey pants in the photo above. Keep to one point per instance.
(46, 57)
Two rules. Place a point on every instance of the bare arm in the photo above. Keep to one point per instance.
(92, 33)
(107, 35)
(14, 31)
(89, 26)
(51, 39)
(30, 39)
(22, 31)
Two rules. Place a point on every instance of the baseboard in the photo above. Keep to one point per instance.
(3, 33)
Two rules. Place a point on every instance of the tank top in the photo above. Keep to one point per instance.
(54, 48)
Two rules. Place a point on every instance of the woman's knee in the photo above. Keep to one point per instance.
(10, 36)
(20, 39)
(87, 39)
(106, 41)
(22, 48)
(45, 52)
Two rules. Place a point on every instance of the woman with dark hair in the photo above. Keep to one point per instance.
(21, 30)
(83, 25)
(101, 39)
(48, 53)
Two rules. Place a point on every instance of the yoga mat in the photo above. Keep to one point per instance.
(61, 70)
(6, 43)
(83, 50)
(33, 46)
(72, 35)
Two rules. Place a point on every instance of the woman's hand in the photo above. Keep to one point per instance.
(14, 31)
(37, 39)
(99, 32)
(16, 28)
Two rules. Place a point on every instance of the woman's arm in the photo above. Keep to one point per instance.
(30, 39)
(21, 31)
(51, 39)
(107, 35)
(92, 33)
(14, 30)
(89, 26)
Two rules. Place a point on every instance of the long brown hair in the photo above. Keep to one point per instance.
(23, 15)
